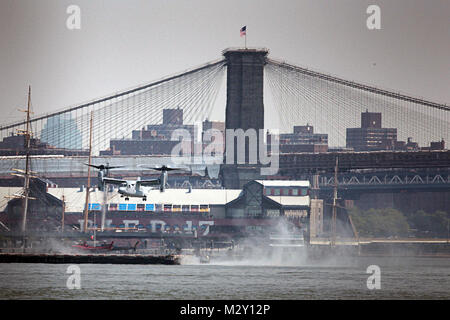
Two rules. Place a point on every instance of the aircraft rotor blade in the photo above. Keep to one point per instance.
(165, 168)
(102, 166)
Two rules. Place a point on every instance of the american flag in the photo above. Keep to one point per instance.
(243, 31)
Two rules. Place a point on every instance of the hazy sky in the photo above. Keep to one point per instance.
(125, 43)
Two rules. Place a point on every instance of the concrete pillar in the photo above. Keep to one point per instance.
(316, 218)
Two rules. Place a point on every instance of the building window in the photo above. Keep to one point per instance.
(273, 213)
(254, 212)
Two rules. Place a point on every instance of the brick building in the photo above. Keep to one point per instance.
(303, 139)
(371, 136)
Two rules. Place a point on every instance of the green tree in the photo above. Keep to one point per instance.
(430, 224)
(379, 222)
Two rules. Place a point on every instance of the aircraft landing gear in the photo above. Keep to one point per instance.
(144, 199)
(126, 199)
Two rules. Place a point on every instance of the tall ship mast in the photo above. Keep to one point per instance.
(26, 187)
(86, 208)
(334, 208)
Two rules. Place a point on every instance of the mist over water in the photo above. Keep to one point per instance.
(253, 253)
(401, 278)
(281, 246)
(291, 273)
(258, 250)
(59, 247)
(254, 270)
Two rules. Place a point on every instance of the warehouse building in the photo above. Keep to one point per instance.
(255, 208)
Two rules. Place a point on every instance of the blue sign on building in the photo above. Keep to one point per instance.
(149, 207)
(122, 207)
(94, 206)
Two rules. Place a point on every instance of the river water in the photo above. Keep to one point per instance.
(399, 278)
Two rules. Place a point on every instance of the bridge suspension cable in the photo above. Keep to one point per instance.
(116, 116)
(331, 104)
(299, 96)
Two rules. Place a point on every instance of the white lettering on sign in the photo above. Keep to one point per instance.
(207, 223)
(156, 222)
(128, 222)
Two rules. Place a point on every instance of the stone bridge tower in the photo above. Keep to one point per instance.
(244, 109)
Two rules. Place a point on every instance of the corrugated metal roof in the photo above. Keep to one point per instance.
(75, 199)
(284, 183)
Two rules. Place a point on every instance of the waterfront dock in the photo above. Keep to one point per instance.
(88, 258)
(407, 247)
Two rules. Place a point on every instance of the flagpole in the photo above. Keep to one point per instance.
(244, 33)
(245, 37)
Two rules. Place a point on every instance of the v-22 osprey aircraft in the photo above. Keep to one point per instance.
(133, 188)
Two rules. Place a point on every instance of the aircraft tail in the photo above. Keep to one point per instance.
(101, 184)
(162, 181)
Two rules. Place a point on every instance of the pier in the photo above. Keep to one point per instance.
(88, 258)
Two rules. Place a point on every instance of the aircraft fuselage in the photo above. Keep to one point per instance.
(130, 191)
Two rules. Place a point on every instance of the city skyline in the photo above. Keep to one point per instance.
(110, 52)
(166, 148)
(157, 138)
